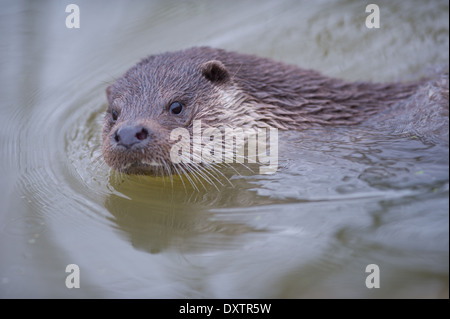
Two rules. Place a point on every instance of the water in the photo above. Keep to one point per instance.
(342, 198)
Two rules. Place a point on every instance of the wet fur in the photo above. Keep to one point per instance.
(230, 89)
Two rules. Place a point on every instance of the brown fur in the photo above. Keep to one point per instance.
(220, 87)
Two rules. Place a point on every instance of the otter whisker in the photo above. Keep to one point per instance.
(198, 170)
(167, 168)
(194, 175)
(214, 168)
(186, 171)
(209, 170)
(181, 178)
(203, 174)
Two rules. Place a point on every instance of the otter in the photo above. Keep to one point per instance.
(171, 90)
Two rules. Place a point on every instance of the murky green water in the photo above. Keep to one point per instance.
(342, 198)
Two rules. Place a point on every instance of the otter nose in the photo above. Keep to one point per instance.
(130, 135)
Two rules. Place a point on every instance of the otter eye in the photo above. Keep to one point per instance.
(115, 115)
(176, 107)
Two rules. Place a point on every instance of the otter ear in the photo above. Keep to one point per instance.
(215, 71)
(109, 94)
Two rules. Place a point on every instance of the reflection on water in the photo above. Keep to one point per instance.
(169, 216)
(342, 198)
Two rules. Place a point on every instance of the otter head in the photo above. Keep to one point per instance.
(156, 96)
